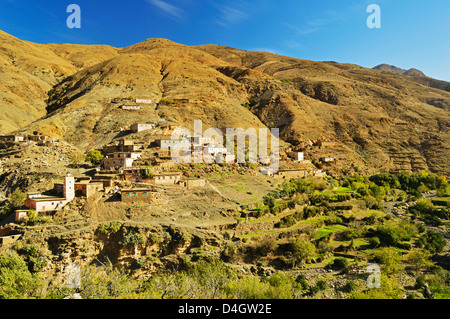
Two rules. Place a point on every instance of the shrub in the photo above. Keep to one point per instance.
(131, 238)
(110, 228)
(432, 241)
(319, 286)
(33, 257)
(301, 280)
(93, 156)
(286, 221)
(374, 242)
(390, 258)
(340, 263)
(16, 281)
(350, 286)
(267, 246)
(420, 282)
(18, 198)
(302, 248)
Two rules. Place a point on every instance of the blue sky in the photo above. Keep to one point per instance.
(413, 33)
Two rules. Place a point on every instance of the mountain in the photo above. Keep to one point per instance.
(378, 120)
(392, 68)
(419, 77)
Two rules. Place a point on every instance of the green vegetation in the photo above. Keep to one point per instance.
(93, 156)
(337, 224)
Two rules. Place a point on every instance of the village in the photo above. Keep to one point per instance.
(136, 170)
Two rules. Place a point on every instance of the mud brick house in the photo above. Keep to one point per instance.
(192, 183)
(87, 189)
(123, 145)
(4, 240)
(143, 101)
(130, 195)
(292, 173)
(138, 127)
(169, 144)
(43, 203)
(296, 156)
(131, 107)
(12, 138)
(169, 178)
(120, 160)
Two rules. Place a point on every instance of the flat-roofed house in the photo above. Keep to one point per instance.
(183, 144)
(296, 156)
(4, 240)
(168, 178)
(131, 107)
(139, 127)
(144, 101)
(12, 138)
(120, 160)
(43, 203)
(130, 195)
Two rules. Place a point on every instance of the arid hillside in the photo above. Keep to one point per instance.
(377, 119)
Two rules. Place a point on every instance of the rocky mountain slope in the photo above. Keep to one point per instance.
(379, 120)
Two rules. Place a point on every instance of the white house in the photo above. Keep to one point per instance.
(120, 159)
(138, 127)
(42, 203)
(169, 144)
(145, 101)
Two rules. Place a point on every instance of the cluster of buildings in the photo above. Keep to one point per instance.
(22, 138)
(61, 194)
(125, 157)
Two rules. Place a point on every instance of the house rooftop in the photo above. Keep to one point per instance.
(136, 190)
(45, 198)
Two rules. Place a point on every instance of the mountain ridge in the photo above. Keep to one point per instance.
(379, 120)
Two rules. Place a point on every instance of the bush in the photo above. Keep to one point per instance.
(420, 282)
(432, 241)
(267, 246)
(93, 156)
(16, 281)
(302, 248)
(340, 263)
(18, 198)
(301, 280)
(33, 257)
(374, 242)
(131, 238)
(286, 221)
(111, 228)
(319, 286)
(350, 286)
(390, 258)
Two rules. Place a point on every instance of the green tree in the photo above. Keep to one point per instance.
(17, 198)
(419, 259)
(390, 289)
(93, 156)
(302, 248)
(16, 281)
(390, 258)
(432, 241)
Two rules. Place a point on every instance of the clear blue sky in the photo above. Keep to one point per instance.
(413, 33)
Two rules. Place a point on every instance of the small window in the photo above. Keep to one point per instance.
(128, 194)
(145, 193)
(135, 194)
